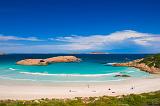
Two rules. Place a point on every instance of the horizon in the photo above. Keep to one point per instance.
(80, 26)
(89, 53)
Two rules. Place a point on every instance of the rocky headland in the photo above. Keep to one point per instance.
(47, 61)
(149, 64)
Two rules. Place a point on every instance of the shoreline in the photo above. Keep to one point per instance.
(28, 91)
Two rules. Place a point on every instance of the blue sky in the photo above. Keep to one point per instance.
(66, 26)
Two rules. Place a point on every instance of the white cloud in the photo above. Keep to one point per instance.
(106, 41)
(127, 40)
(148, 40)
(6, 38)
(9, 44)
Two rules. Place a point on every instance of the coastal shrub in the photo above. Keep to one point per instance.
(134, 100)
(152, 60)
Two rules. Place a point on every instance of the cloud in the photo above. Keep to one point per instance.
(125, 41)
(9, 44)
(148, 40)
(107, 41)
(7, 38)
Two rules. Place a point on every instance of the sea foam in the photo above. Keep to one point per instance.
(12, 69)
(110, 63)
(69, 75)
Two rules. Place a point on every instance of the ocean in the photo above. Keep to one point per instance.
(92, 68)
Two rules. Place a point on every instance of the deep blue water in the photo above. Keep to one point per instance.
(92, 68)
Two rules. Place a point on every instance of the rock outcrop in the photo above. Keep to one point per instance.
(122, 75)
(48, 60)
(142, 66)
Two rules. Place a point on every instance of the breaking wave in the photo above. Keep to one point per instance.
(110, 63)
(12, 69)
(70, 75)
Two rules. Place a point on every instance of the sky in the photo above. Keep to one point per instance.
(80, 26)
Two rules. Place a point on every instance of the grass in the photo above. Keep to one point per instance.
(145, 99)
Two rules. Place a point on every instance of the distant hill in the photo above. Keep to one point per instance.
(152, 60)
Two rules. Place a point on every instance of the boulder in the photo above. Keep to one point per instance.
(48, 60)
(32, 62)
(62, 59)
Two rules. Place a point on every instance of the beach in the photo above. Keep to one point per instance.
(94, 76)
(31, 90)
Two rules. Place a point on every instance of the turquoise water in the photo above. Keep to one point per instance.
(90, 69)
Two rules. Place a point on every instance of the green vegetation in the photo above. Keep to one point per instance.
(145, 99)
(152, 60)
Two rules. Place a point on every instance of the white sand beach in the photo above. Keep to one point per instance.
(18, 90)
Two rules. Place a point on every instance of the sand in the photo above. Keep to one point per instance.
(33, 90)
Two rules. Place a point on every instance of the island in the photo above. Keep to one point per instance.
(48, 60)
(1, 53)
(149, 64)
(98, 53)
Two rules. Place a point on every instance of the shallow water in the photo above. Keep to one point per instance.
(92, 68)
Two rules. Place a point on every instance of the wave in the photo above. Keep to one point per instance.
(130, 71)
(110, 63)
(12, 69)
(70, 75)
